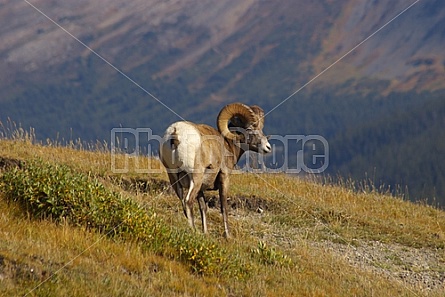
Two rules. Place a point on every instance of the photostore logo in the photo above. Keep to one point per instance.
(290, 153)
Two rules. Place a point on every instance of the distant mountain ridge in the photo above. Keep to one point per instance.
(407, 52)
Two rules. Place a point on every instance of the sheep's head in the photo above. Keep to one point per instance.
(244, 124)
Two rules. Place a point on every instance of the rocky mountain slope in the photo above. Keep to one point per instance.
(406, 52)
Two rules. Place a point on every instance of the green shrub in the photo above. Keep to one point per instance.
(269, 256)
(57, 192)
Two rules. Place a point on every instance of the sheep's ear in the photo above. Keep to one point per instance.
(242, 136)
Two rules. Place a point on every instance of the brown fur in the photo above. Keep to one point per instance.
(214, 161)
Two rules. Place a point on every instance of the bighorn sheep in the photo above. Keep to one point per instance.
(199, 158)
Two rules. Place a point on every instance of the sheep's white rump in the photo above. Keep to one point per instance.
(180, 143)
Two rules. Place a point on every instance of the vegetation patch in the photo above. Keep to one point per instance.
(57, 192)
(269, 255)
(142, 185)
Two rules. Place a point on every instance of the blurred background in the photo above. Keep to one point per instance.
(381, 108)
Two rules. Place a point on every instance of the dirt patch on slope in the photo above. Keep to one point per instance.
(251, 203)
(420, 268)
(8, 163)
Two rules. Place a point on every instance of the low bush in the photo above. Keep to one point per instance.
(57, 192)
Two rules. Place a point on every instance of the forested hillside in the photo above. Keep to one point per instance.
(402, 148)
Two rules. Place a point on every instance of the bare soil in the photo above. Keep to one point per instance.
(420, 268)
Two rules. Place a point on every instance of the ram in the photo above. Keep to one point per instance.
(199, 157)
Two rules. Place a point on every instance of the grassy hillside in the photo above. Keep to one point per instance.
(70, 226)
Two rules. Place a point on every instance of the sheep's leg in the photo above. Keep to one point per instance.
(176, 185)
(203, 210)
(223, 188)
(187, 204)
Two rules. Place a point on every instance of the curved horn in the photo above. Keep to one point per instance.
(228, 112)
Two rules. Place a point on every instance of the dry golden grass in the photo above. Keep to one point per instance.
(82, 263)
(42, 258)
